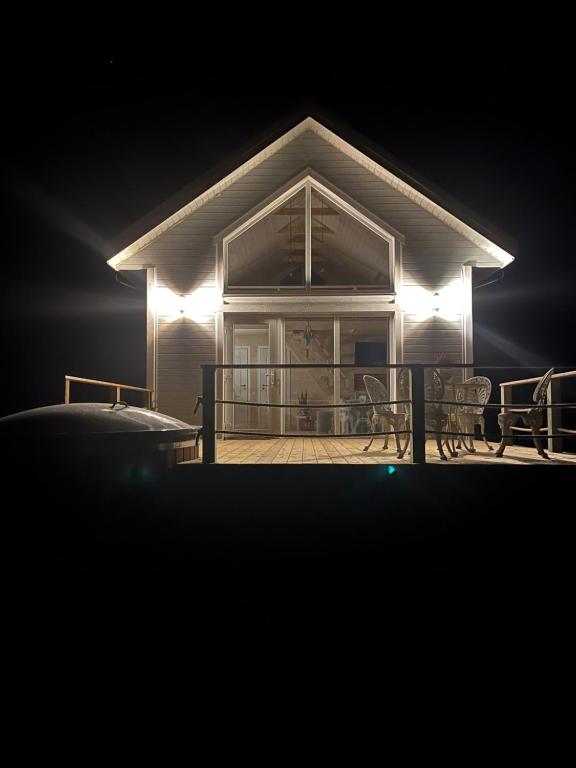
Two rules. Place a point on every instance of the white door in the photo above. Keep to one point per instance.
(250, 340)
(264, 377)
(241, 379)
(263, 374)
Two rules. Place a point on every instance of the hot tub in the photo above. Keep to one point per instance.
(96, 434)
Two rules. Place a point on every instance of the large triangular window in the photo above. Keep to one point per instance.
(309, 239)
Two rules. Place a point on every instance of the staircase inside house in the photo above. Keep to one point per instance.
(309, 386)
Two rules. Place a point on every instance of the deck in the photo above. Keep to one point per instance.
(349, 451)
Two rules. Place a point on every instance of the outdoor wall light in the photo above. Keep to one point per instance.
(165, 303)
(203, 302)
(422, 304)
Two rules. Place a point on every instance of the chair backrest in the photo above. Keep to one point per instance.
(541, 389)
(434, 385)
(377, 393)
(403, 384)
(477, 390)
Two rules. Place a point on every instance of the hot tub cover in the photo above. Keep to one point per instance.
(93, 419)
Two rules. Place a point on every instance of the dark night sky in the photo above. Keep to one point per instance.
(96, 139)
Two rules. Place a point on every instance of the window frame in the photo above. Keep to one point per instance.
(309, 183)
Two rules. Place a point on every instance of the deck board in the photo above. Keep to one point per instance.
(350, 451)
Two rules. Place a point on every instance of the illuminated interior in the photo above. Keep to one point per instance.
(309, 241)
(364, 343)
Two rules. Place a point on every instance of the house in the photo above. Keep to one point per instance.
(314, 249)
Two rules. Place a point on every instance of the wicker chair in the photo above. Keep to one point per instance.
(383, 414)
(532, 417)
(474, 390)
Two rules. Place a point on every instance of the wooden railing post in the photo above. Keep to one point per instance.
(208, 414)
(418, 415)
(505, 399)
(554, 416)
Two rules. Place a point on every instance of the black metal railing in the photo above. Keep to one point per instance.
(417, 402)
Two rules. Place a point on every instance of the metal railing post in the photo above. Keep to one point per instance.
(208, 415)
(418, 415)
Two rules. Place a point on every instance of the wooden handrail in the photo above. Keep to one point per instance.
(536, 379)
(112, 384)
(554, 415)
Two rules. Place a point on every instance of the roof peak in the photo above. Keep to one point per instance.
(387, 168)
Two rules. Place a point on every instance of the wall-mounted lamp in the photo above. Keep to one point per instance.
(446, 303)
(202, 303)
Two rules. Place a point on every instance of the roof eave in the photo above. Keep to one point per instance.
(395, 179)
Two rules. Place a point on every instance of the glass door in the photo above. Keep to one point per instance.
(309, 340)
(251, 340)
(364, 344)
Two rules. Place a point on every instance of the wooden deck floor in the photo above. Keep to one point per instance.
(349, 451)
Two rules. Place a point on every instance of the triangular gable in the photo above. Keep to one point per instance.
(308, 224)
(377, 169)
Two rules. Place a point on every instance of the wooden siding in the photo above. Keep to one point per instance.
(425, 340)
(184, 257)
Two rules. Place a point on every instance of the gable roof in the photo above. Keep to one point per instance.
(435, 201)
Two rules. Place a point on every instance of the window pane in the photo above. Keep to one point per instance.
(272, 251)
(310, 341)
(344, 251)
(363, 343)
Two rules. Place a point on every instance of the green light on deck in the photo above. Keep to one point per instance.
(386, 470)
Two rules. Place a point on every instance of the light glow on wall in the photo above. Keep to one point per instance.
(446, 303)
(202, 303)
(165, 303)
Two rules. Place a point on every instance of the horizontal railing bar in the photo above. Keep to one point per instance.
(442, 433)
(527, 429)
(361, 434)
(530, 435)
(273, 366)
(245, 366)
(80, 380)
(310, 434)
(304, 406)
(509, 406)
(499, 406)
(536, 379)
